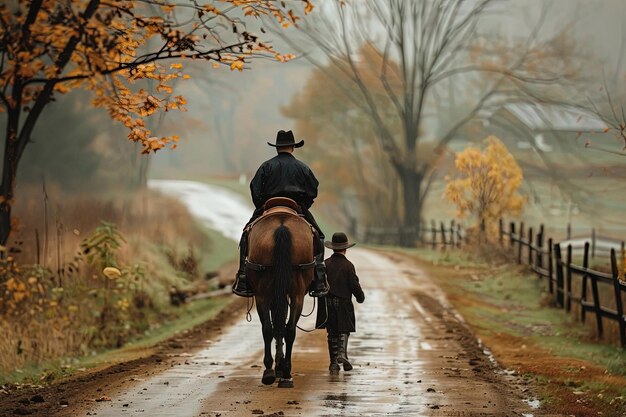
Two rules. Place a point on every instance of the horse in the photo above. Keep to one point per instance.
(280, 270)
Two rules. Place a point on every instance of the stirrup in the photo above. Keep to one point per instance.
(241, 287)
(319, 293)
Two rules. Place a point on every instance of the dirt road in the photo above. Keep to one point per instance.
(412, 356)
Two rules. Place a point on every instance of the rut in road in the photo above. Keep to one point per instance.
(412, 356)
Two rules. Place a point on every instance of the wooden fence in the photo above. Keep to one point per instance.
(436, 234)
(545, 258)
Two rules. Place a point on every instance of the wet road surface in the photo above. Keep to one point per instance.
(412, 356)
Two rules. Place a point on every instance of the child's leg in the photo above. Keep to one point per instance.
(333, 351)
(343, 351)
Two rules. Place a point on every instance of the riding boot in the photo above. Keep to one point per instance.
(319, 286)
(333, 352)
(343, 351)
(240, 286)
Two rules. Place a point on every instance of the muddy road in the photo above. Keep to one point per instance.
(412, 356)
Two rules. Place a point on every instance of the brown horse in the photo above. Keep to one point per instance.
(280, 270)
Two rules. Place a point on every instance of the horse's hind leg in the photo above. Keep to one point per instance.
(269, 375)
(286, 381)
(279, 356)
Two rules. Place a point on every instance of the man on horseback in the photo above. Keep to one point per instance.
(284, 176)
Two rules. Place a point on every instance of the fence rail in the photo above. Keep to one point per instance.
(547, 262)
(436, 234)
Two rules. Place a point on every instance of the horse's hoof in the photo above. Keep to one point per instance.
(279, 373)
(347, 366)
(268, 377)
(285, 383)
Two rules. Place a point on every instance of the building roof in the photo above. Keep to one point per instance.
(542, 117)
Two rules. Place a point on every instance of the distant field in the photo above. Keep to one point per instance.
(600, 205)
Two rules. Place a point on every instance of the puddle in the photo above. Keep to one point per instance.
(534, 404)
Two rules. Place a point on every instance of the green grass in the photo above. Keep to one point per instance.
(218, 251)
(514, 301)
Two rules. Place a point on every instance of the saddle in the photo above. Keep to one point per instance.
(274, 206)
(278, 205)
(281, 205)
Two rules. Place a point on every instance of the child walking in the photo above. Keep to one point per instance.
(340, 320)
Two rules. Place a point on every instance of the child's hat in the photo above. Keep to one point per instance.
(339, 242)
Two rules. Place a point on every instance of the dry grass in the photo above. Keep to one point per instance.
(55, 302)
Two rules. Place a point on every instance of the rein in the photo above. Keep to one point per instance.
(316, 327)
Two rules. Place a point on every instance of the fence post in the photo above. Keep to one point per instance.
(452, 242)
(540, 246)
(512, 235)
(433, 231)
(443, 235)
(559, 275)
(459, 236)
(568, 279)
(623, 259)
(501, 231)
(530, 247)
(596, 305)
(583, 294)
(519, 243)
(550, 267)
(593, 243)
(569, 231)
(618, 299)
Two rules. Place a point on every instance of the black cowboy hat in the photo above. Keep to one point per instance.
(285, 139)
(339, 242)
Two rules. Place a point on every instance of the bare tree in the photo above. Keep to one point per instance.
(438, 72)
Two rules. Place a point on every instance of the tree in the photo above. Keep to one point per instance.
(323, 111)
(437, 71)
(114, 49)
(487, 184)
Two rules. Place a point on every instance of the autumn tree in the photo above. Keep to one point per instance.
(437, 70)
(486, 184)
(343, 133)
(115, 49)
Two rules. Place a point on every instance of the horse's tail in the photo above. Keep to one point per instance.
(281, 264)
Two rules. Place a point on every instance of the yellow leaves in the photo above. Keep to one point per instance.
(176, 66)
(284, 58)
(237, 65)
(112, 273)
(487, 182)
(211, 9)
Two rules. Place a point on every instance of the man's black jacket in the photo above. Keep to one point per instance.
(284, 176)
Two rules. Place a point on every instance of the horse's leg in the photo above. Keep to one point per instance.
(269, 375)
(279, 355)
(286, 380)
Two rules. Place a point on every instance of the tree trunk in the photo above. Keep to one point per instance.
(411, 182)
(9, 173)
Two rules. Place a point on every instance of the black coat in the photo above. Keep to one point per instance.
(284, 176)
(344, 283)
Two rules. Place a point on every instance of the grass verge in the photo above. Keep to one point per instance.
(186, 317)
(509, 310)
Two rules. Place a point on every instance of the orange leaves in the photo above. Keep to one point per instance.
(118, 51)
(284, 58)
(308, 8)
